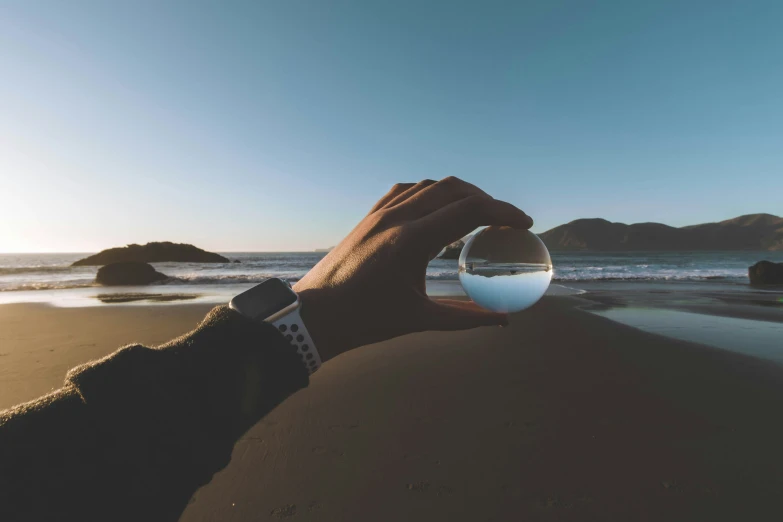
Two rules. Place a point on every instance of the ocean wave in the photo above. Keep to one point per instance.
(442, 276)
(255, 280)
(60, 276)
(44, 269)
(227, 279)
(64, 285)
(646, 277)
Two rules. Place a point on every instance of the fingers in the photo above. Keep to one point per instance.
(456, 220)
(395, 191)
(411, 191)
(450, 314)
(429, 198)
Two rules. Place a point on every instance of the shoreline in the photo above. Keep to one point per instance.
(713, 314)
(734, 301)
(217, 293)
(562, 415)
(97, 296)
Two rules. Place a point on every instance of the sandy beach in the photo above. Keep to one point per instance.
(563, 415)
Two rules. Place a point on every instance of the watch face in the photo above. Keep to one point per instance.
(264, 300)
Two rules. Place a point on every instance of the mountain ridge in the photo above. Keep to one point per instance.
(746, 232)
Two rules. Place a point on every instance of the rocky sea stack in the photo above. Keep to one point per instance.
(132, 273)
(766, 273)
(152, 253)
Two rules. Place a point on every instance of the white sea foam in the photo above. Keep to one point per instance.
(53, 271)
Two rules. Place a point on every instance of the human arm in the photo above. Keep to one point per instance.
(132, 436)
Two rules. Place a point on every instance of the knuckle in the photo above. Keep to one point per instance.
(479, 203)
(459, 186)
(478, 200)
(380, 217)
(384, 218)
(452, 181)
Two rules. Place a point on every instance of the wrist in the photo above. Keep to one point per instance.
(322, 315)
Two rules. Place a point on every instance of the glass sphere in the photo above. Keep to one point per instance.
(505, 269)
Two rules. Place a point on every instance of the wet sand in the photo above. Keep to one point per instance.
(564, 415)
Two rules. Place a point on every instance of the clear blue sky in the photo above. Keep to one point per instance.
(276, 125)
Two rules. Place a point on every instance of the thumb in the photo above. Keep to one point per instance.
(452, 314)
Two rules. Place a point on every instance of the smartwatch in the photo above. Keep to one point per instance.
(275, 302)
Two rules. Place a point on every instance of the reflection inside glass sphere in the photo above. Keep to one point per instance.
(505, 269)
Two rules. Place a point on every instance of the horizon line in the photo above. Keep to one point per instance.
(322, 250)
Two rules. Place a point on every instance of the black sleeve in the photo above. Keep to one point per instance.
(133, 435)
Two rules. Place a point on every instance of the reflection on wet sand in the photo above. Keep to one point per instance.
(131, 298)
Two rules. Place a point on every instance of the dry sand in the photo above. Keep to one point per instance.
(561, 416)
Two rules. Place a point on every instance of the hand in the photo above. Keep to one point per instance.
(371, 287)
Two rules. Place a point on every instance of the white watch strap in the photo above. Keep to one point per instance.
(294, 330)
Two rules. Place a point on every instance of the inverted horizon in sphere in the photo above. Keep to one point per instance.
(506, 293)
(505, 269)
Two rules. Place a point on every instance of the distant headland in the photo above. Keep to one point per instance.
(749, 232)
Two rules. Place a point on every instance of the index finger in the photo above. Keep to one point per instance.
(458, 219)
(395, 191)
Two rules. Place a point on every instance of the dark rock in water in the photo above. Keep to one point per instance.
(236, 261)
(152, 253)
(766, 273)
(453, 250)
(118, 274)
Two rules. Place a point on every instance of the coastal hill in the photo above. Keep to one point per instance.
(158, 252)
(749, 232)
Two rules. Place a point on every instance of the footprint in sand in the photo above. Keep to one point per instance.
(286, 511)
(671, 485)
(320, 450)
(423, 487)
(554, 502)
(343, 427)
(444, 491)
(524, 425)
(419, 486)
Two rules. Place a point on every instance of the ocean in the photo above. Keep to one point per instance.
(47, 277)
